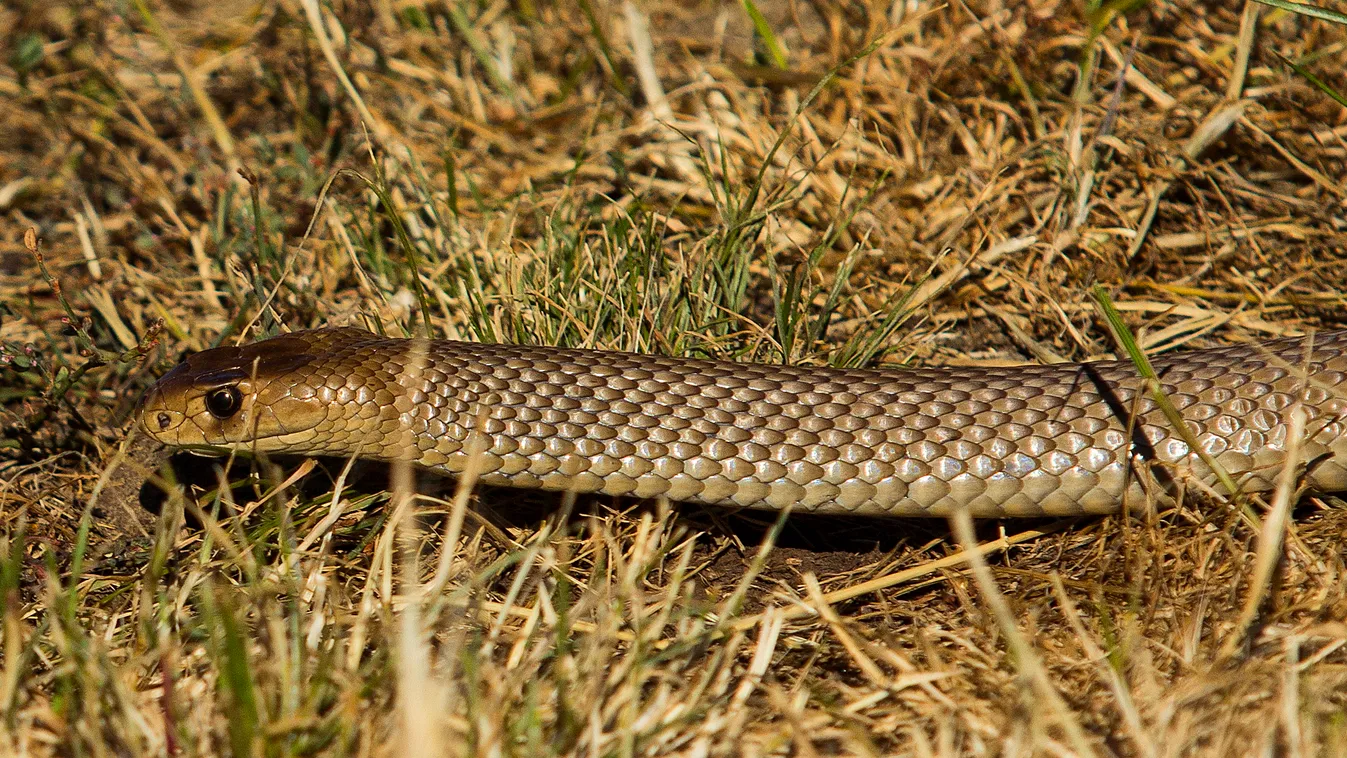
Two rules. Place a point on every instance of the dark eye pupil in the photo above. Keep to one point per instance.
(224, 402)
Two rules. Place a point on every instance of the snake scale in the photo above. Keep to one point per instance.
(1021, 441)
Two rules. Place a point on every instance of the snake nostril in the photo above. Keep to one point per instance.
(163, 420)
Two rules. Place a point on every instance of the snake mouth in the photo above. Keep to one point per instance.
(245, 449)
(192, 418)
(209, 451)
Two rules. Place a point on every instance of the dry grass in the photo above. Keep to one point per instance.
(646, 176)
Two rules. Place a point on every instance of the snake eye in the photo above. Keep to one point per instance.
(224, 402)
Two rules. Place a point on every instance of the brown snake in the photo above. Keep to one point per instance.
(1022, 441)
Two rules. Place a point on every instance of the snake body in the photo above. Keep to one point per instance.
(1022, 441)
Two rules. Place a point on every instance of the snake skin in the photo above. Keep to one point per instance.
(1022, 441)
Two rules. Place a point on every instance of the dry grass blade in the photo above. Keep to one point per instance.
(1272, 533)
(1027, 659)
(318, 26)
(1144, 742)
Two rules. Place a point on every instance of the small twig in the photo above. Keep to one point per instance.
(61, 380)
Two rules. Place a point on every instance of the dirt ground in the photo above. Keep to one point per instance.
(858, 183)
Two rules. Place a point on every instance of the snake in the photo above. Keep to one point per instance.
(1032, 440)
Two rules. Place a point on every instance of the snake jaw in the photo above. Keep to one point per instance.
(234, 399)
(179, 417)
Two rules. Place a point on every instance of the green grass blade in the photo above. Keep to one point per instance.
(1153, 386)
(775, 50)
(1313, 11)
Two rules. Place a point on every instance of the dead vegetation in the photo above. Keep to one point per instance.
(857, 182)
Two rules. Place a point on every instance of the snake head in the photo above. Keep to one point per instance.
(252, 398)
